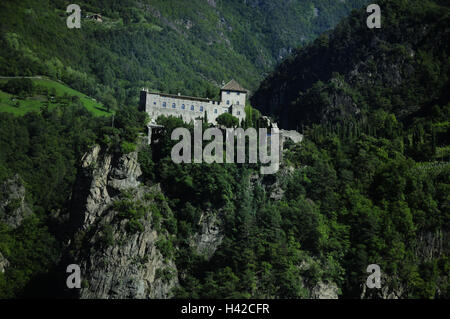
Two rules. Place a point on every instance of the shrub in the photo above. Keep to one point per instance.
(166, 275)
(165, 247)
(227, 120)
(134, 226)
(127, 147)
(17, 86)
(107, 237)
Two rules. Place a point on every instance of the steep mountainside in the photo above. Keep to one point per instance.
(174, 46)
(366, 183)
(401, 68)
(118, 235)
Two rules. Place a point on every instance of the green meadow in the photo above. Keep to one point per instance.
(47, 92)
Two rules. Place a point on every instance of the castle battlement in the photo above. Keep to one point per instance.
(189, 108)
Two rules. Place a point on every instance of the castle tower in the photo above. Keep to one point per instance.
(234, 96)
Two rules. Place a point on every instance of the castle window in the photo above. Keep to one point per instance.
(154, 103)
(215, 110)
(192, 107)
(237, 103)
(239, 113)
(164, 104)
(183, 107)
(228, 102)
(201, 108)
(174, 106)
(238, 93)
(228, 92)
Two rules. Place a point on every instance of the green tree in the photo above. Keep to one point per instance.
(110, 102)
(227, 120)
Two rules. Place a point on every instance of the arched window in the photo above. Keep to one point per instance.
(192, 107)
(215, 110)
(228, 102)
(237, 103)
(164, 104)
(183, 107)
(201, 108)
(174, 106)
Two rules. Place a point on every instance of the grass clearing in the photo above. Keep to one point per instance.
(12, 104)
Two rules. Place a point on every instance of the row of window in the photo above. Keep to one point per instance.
(183, 107)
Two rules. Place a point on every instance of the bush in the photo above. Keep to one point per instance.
(134, 226)
(109, 102)
(127, 147)
(130, 122)
(17, 86)
(227, 120)
(165, 247)
(107, 237)
(166, 275)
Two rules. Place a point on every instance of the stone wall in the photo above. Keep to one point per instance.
(190, 108)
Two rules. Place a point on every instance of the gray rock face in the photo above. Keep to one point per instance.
(103, 176)
(431, 244)
(128, 268)
(325, 291)
(385, 292)
(4, 263)
(13, 208)
(292, 135)
(210, 238)
(212, 3)
(125, 172)
(116, 262)
(273, 185)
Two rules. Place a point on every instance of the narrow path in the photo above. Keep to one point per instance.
(21, 77)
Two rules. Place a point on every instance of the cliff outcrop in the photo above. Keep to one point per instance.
(118, 234)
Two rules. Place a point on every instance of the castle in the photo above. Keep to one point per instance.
(232, 100)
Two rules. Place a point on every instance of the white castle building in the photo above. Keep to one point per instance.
(232, 100)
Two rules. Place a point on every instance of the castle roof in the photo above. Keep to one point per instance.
(233, 86)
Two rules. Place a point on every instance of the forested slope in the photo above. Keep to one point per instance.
(374, 106)
(401, 68)
(174, 46)
(368, 185)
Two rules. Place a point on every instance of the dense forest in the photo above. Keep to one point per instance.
(375, 103)
(369, 184)
(172, 46)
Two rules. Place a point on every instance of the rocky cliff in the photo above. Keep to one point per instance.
(210, 237)
(116, 247)
(4, 263)
(399, 67)
(13, 206)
